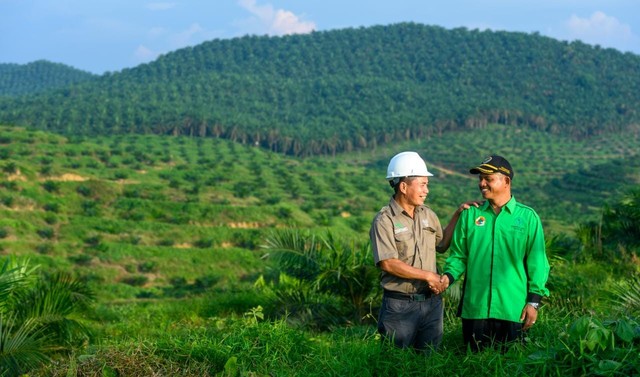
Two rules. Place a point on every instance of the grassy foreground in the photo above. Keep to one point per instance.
(171, 340)
(168, 233)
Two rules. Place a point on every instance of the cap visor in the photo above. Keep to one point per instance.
(480, 170)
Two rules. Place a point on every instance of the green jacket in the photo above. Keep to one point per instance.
(504, 259)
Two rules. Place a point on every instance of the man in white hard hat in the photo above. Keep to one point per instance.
(405, 236)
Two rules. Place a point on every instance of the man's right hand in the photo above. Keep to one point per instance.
(444, 281)
(437, 283)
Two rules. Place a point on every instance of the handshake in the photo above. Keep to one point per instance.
(437, 283)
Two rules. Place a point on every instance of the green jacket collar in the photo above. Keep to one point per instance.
(510, 206)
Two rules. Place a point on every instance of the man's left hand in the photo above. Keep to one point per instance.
(529, 316)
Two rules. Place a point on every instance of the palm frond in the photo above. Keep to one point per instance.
(626, 296)
(22, 348)
(329, 267)
(52, 302)
(14, 276)
(296, 252)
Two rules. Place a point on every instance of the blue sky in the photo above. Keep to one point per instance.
(109, 35)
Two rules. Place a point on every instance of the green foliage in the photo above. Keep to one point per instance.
(616, 236)
(135, 280)
(597, 347)
(36, 316)
(10, 167)
(251, 344)
(322, 279)
(625, 296)
(344, 90)
(621, 221)
(38, 76)
(170, 306)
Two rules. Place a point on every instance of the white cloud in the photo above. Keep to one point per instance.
(165, 41)
(186, 37)
(160, 6)
(143, 54)
(599, 29)
(277, 22)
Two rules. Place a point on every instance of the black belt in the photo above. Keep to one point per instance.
(408, 296)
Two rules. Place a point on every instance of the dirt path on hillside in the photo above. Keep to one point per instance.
(451, 172)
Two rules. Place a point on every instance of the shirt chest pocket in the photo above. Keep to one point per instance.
(429, 235)
(405, 245)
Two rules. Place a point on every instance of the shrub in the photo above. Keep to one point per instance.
(284, 212)
(131, 192)
(80, 259)
(10, 185)
(83, 190)
(51, 186)
(7, 201)
(166, 242)
(47, 233)
(10, 167)
(203, 243)
(204, 282)
(44, 248)
(50, 218)
(52, 207)
(148, 266)
(120, 175)
(135, 280)
(93, 240)
(90, 208)
(46, 170)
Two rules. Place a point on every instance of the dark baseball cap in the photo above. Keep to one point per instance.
(494, 164)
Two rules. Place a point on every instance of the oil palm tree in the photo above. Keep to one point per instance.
(626, 296)
(333, 279)
(38, 315)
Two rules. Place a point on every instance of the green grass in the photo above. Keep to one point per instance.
(143, 195)
(168, 232)
(169, 337)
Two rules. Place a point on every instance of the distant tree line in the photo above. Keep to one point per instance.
(338, 91)
(38, 76)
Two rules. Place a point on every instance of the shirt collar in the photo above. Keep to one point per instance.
(510, 206)
(397, 209)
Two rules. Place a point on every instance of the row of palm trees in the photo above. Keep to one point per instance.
(338, 91)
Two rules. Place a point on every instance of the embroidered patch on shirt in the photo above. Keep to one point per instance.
(425, 223)
(399, 228)
(518, 224)
(480, 221)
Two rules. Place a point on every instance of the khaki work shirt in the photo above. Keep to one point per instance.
(394, 234)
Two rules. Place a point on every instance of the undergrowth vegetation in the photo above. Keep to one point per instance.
(201, 257)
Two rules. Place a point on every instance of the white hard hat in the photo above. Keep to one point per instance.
(406, 164)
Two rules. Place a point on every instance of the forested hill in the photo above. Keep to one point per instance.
(38, 76)
(335, 91)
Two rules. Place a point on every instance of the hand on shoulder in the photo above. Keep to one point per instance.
(469, 204)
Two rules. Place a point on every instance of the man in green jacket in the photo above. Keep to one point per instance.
(500, 248)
